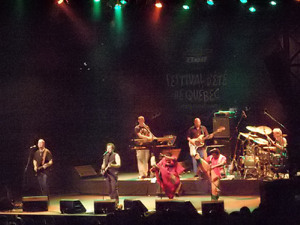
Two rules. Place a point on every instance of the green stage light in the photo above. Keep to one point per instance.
(123, 2)
(273, 3)
(252, 9)
(96, 0)
(210, 2)
(118, 6)
(186, 7)
(244, 1)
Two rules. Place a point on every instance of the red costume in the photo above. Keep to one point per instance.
(167, 174)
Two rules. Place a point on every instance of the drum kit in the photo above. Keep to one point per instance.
(258, 159)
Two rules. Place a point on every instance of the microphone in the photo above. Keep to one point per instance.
(265, 111)
(33, 146)
(244, 114)
(105, 153)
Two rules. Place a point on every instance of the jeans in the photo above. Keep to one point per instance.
(43, 182)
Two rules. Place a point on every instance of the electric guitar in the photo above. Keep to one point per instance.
(104, 171)
(199, 141)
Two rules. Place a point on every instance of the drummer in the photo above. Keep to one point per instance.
(280, 142)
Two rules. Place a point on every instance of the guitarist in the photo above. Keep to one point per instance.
(194, 133)
(42, 160)
(109, 169)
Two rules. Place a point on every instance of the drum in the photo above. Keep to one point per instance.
(252, 149)
(264, 157)
(277, 160)
(249, 161)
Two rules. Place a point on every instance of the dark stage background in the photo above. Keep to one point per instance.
(78, 75)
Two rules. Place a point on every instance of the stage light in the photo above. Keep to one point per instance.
(210, 2)
(96, 0)
(123, 2)
(186, 7)
(158, 5)
(118, 6)
(244, 1)
(273, 3)
(59, 2)
(252, 9)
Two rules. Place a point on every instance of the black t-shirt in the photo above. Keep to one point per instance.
(194, 133)
(38, 157)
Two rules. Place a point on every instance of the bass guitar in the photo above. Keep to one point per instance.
(200, 140)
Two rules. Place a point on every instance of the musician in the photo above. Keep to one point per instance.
(167, 173)
(217, 163)
(110, 167)
(42, 160)
(193, 133)
(213, 168)
(280, 155)
(142, 131)
(280, 142)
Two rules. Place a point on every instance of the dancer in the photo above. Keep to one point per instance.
(167, 174)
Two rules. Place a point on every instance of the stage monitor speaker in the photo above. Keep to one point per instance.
(85, 171)
(105, 206)
(71, 206)
(222, 122)
(175, 205)
(135, 205)
(215, 207)
(35, 203)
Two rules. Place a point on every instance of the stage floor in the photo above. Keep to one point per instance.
(231, 203)
(130, 185)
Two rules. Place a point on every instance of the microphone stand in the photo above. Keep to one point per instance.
(25, 181)
(234, 163)
(272, 118)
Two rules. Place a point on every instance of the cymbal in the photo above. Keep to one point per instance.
(251, 128)
(215, 146)
(272, 148)
(264, 130)
(248, 135)
(260, 141)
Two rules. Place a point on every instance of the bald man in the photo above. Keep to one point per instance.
(42, 160)
(193, 133)
(142, 131)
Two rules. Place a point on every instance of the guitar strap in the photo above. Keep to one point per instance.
(44, 157)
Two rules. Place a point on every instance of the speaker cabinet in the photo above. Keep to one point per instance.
(215, 207)
(35, 203)
(85, 171)
(175, 205)
(71, 206)
(105, 206)
(223, 121)
(135, 205)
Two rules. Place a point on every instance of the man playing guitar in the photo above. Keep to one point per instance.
(109, 169)
(196, 137)
(193, 134)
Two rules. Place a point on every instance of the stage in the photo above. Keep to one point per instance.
(129, 185)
